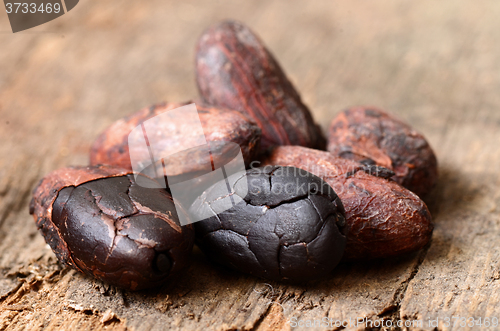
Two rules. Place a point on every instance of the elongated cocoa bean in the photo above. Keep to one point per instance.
(234, 70)
(370, 135)
(383, 219)
(221, 127)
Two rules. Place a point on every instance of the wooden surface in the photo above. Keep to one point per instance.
(434, 64)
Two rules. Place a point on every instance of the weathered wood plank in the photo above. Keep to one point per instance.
(435, 65)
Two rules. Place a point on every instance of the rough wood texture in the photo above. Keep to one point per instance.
(435, 65)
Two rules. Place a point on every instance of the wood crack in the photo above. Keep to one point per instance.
(393, 310)
(262, 317)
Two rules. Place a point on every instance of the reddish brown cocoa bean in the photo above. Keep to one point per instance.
(383, 218)
(234, 70)
(221, 127)
(101, 222)
(368, 134)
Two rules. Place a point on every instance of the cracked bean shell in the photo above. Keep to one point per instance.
(99, 221)
(368, 133)
(383, 219)
(235, 70)
(286, 225)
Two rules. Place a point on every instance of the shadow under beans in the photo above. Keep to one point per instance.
(454, 192)
(206, 289)
(376, 272)
(346, 276)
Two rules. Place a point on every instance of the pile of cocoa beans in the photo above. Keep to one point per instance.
(372, 171)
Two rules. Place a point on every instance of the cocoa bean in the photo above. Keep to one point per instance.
(221, 127)
(99, 221)
(368, 134)
(235, 70)
(383, 219)
(280, 223)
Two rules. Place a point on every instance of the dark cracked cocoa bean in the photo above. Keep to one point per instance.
(234, 70)
(280, 223)
(99, 221)
(383, 219)
(370, 135)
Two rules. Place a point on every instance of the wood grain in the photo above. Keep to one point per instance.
(434, 65)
